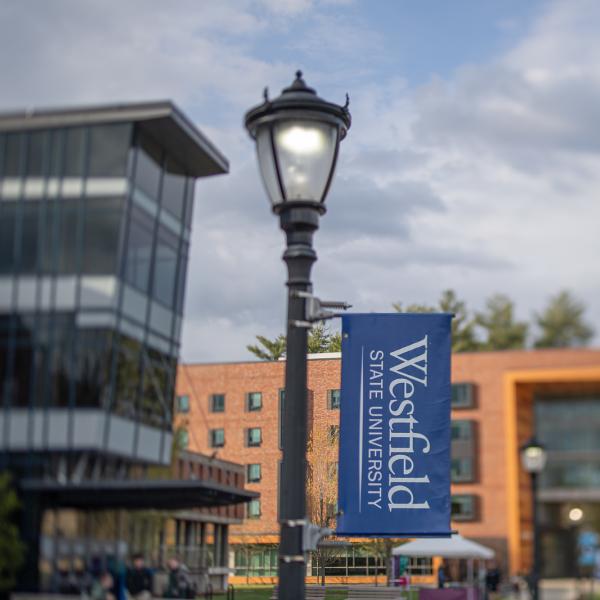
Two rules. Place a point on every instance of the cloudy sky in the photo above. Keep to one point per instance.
(473, 161)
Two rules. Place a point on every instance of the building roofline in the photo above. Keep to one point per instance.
(337, 356)
(161, 118)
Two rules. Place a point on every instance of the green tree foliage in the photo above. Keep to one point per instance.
(267, 349)
(501, 330)
(464, 337)
(561, 323)
(12, 550)
(320, 340)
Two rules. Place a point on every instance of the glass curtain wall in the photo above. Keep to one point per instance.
(94, 240)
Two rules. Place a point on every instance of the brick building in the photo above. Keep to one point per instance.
(498, 398)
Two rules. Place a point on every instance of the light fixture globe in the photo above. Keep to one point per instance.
(533, 456)
(297, 138)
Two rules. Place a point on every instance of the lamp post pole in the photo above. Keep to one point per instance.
(535, 571)
(297, 138)
(533, 459)
(299, 224)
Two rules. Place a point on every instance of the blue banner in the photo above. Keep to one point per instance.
(394, 461)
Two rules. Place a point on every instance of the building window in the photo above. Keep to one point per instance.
(463, 395)
(183, 439)
(165, 267)
(254, 509)
(253, 473)
(217, 438)
(464, 507)
(183, 404)
(334, 434)
(461, 470)
(254, 401)
(253, 436)
(217, 403)
(463, 451)
(256, 560)
(109, 146)
(462, 430)
(333, 399)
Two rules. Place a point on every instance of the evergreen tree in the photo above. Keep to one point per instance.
(268, 349)
(502, 331)
(561, 323)
(320, 340)
(463, 326)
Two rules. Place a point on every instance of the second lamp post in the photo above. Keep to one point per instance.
(297, 138)
(533, 459)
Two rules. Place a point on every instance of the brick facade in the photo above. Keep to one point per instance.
(504, 384)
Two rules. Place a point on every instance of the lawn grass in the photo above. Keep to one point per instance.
(264, 593)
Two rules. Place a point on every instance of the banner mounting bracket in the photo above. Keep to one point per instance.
(317, 309)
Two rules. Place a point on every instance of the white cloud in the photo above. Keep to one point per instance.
(488, 181)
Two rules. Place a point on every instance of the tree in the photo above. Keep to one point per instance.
(268, 349)
(320, 340)
(322, 490)
(561, 323)
(463, 326)
(502, 331)
(12, 549)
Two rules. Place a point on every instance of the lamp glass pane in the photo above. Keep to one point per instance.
(306, 151)
(266, 161)
(533, 458)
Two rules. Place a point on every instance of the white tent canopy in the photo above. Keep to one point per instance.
(452, 547)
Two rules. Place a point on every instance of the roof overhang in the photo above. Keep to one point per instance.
(161, 119)
(163, 494)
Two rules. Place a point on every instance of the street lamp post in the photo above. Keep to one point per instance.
(533, 459)
(297, 138)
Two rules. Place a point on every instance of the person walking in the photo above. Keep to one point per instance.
(138, 580)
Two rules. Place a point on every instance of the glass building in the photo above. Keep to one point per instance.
(95, 215)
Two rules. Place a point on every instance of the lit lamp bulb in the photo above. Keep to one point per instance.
(301, 140)
(575, 515)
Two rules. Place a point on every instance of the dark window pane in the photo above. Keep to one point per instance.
(92, 366)
(50, 241)
(8, 212)
(60, 360)
(147, 169)
(128, 377)
(165, 268)
(102, 223)
(109, 145)
(334, 399)
(30, 236)
(463, 507)
(157, 392)
(57, 141)
(181, 279)
(37, 153)
(13, 154)
(74, 152)
(67, 235)
(173, 190)
(463, 395)
(183, 404)
(217, 438)
(21, 380)
(254, 401)
(139, 255)
(217, 403)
